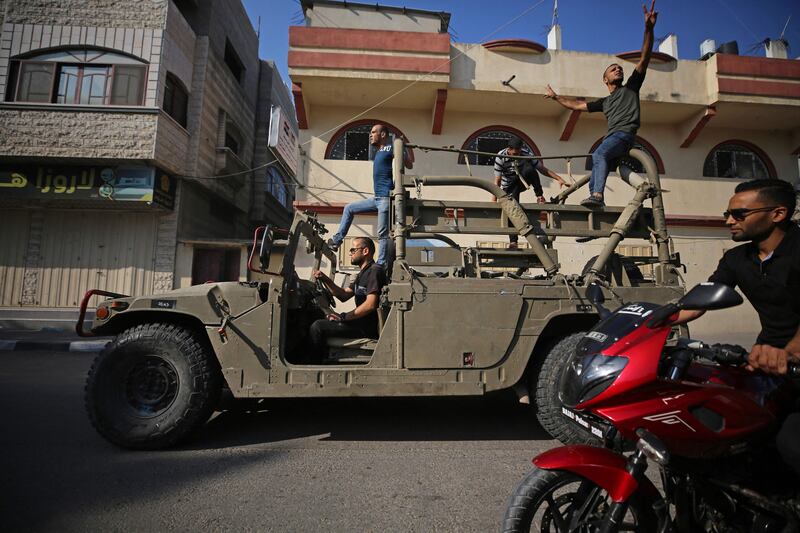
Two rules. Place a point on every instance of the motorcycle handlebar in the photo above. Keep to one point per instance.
(731, 354)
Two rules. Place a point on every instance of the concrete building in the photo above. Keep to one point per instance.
(708, 124)
(117, 119)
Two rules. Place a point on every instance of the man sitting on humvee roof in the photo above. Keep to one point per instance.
(362, 322)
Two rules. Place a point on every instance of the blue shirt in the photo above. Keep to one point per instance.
(382, 171)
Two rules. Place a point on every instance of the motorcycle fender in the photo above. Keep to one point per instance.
(599, 465)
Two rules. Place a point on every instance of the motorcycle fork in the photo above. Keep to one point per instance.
(636, 466)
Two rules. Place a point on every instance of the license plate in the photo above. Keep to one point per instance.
(583, 422)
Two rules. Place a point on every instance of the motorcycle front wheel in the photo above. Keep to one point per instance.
(556, 501)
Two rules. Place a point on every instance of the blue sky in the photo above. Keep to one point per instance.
(609, 26)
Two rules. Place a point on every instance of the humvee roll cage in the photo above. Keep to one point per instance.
(538, 224)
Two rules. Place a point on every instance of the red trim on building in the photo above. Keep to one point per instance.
(371, 121)
(333, 208)
(696, 221)
(299, 107)
(755, 149)
(656, 57)
(503, 45)
(766, 67)
(514, 131)
(392, 41)
(352, 61)
(643, 142)
(438, 111)
(711, 111)
(759, 87)
(569, 125)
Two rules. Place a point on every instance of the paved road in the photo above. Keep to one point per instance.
(442, 464)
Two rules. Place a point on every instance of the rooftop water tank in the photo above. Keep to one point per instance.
(731, 47)
(708, 47)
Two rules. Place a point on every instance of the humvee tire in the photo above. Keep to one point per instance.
(152, 386)
(548, 383)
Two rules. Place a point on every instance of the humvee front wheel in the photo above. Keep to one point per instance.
(152, 386)
(547, 384)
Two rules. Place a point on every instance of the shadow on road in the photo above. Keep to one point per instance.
(492, 418)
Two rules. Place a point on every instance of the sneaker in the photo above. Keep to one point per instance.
(513, 246)
(333, 245)
(593, 201)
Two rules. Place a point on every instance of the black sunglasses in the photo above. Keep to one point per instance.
(741, 213)
(353, 250)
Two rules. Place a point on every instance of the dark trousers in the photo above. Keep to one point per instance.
(323, 328)
(531, 176)
(788, 441)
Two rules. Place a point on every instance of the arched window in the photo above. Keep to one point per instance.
(630, 162)
(738, 159)
(176, 99)
(492, 139)
(78, 76)
(351, 142)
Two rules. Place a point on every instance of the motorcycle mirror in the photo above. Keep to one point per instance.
(265, 248)
(595, 294)
(707, 296)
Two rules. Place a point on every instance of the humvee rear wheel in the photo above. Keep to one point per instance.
(152, 386)
(547, 382)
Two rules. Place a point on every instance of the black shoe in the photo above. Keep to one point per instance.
(593, 202)
(332, 245)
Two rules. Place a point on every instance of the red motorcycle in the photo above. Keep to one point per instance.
(707, 422)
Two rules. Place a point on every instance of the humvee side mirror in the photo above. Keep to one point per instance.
(265, 247)
(595, 295)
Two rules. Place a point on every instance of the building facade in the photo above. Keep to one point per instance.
(708, 124)
(128, 131)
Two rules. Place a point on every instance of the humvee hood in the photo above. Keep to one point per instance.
(209, 302)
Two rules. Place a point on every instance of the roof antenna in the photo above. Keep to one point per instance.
(784, 28)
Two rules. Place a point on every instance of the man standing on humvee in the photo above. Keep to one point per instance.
(621, 108)
(362, 322)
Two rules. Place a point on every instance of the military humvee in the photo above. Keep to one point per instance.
(482, 324)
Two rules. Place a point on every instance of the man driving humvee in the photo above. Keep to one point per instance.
(362, 322)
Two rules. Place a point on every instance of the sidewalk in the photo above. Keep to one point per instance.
(50, 340)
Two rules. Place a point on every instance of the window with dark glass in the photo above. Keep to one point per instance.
(352, 143)
(232, 60)
(732, 160)
(232, 142)
(87, 77)
(176, 99)
(490, 141)
(628, 161)
(276, 186)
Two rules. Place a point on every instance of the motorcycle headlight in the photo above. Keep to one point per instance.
(586, 376)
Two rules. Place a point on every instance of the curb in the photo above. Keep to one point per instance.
(53, 346)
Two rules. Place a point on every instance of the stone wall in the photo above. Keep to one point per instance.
(88, 134)
(109, 13)
(24, 39)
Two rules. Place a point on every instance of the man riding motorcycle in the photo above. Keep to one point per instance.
(767, 270)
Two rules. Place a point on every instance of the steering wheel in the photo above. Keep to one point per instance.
(324, 293)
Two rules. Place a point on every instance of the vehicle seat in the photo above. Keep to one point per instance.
(352, 344)
(359, 344)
